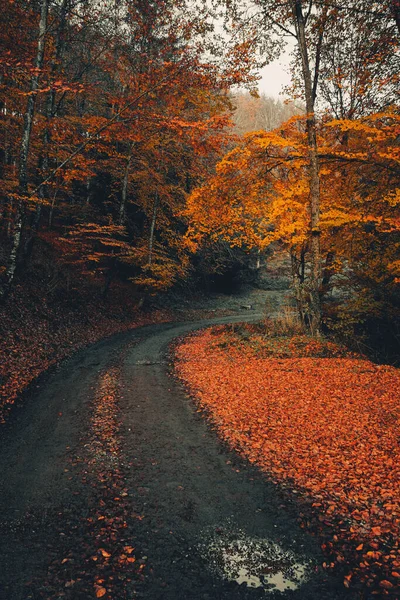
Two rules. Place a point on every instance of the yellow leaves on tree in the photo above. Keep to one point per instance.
(264, 182)
(260, 194)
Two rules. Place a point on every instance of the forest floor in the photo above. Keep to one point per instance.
(114, 486)
(322, 423)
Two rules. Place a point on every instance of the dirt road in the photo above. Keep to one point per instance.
(113, 485)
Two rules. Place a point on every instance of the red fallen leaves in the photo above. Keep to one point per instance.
(325, 428)
(100, 558)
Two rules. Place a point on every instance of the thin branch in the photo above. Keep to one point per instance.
(310, 4)
(318, 54)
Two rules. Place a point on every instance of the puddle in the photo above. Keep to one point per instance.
(256, 562)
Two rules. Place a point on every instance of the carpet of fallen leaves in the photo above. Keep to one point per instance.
(326, 430)
(36, 334)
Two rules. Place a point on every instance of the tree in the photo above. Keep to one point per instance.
(359, 60)
(306, 23)
(129, 114)
(259, 196)
(24, 149)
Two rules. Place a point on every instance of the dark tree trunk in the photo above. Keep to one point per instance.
(50, 106)
(24, 152)
(152, 228)
(125, 183)
(310, 92)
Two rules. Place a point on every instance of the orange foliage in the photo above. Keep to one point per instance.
(325, 429)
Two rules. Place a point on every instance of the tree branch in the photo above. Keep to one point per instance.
(97, 132)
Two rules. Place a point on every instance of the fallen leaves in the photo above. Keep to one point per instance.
(97, 558)
(323, 428)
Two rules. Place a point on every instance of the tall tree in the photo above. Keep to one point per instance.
(267, 22)
(128, 108)
(25, 144)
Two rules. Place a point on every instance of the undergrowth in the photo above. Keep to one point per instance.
(269, 338)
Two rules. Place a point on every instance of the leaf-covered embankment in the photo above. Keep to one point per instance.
(326, 429)
(36, 334)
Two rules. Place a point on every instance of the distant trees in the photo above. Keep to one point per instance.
(253, 113)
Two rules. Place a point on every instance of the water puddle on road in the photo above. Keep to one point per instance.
(256, 562)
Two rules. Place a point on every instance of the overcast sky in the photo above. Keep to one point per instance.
(274, 78)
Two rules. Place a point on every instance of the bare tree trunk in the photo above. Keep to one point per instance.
(328, 271)
(50, 104)
(24, 153)
(298, 275)
(125, 182)
(51, 98)
(152, 228)
(395, 8)
(16, 242)
(88, 190)
(258, 261)
(30, 109)
(109, 276)
(315, 244)
(51, 212)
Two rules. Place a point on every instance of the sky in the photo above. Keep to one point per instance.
(274, 77)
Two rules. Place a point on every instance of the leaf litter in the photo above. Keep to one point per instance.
(324, 429)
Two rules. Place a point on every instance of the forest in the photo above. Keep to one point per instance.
(121, 165)
(141, 168)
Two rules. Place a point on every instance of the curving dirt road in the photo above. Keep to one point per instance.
(113, 485)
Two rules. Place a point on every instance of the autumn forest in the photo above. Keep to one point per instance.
(142, 172)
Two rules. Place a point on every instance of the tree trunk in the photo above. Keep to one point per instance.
(50, 104)
(51, 98)
(315, 250)
(152, 228)
(298, 274)
(327, 272)
(24, 153)
(258, 260)
(125, 182)
(51, 212)
(30, 109)
(109, 276)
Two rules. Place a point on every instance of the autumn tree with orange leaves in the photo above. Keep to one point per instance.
(110, 116)
(259, 196)
(364, 39)
(281, 186)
